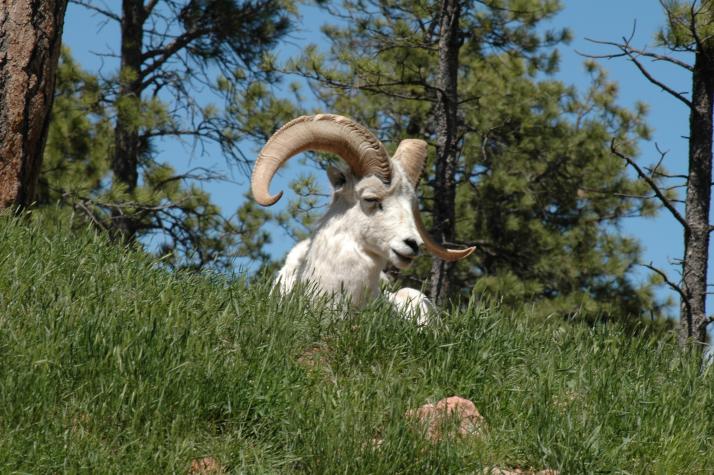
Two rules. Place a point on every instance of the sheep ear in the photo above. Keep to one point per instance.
(337, 177)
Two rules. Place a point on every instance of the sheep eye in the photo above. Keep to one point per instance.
(374, 201)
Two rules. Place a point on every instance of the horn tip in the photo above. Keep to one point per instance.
(268, 200)
(468, 251)
(458, 254)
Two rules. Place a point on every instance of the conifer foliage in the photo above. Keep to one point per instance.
(176, 58)
(169, 207)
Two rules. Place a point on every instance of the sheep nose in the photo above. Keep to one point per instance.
(413, 245)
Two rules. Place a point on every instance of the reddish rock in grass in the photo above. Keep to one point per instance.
(453, 414)
(313, 356)
(518, 471)
(205, 466)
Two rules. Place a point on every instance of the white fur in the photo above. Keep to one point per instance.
(355, 241)
(413, 304)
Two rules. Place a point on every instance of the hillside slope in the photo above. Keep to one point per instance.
(113, 365)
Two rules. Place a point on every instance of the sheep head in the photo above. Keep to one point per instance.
(376, 191)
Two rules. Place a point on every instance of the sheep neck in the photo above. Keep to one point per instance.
(339, 262)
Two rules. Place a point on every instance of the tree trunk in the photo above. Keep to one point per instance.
(693, 319)
(125, 164)
(30, 39)
(447, 144)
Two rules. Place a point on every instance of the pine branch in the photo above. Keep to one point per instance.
(206, 176)
(662, 85)
(377, 87)
(655, 188)
(638, 52)
(165, 53)
(102, 11)
(82, 206)
(633, 53)
(669, 283)
(149, 7)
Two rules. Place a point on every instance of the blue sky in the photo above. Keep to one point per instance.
(610, 20)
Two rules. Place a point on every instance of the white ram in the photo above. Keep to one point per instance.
(373, 219)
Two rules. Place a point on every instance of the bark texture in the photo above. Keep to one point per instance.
(30, 39)
(693, 319)
(447, 144)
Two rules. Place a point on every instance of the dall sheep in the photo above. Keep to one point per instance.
(373, 219)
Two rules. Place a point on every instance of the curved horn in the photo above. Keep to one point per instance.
(336, 134)
(435, 248)
(411, 154)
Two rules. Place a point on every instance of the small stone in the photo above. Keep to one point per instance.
(205, 466)
(518, 471)
(311, 357)
(437, 417)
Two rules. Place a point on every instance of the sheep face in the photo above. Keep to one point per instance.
(382, 215)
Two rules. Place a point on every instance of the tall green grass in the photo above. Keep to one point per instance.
(109, 364)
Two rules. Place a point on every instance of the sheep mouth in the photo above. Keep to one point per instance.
(402, 260)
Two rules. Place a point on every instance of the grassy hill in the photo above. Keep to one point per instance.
(109, 364)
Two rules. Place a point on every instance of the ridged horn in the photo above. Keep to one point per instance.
(434, 247)
(411, 154)
(356, 145)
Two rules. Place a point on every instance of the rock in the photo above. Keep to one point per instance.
(447, 415)
(205, 466)
(312, 357)
(518, 471)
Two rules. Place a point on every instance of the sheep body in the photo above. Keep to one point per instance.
(350, 245)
